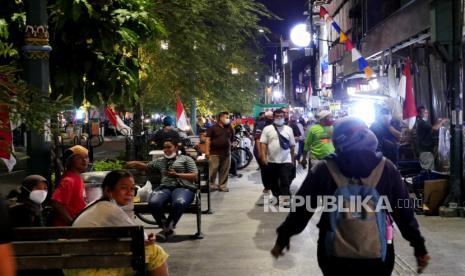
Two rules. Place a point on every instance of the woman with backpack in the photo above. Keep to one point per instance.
(355, 242)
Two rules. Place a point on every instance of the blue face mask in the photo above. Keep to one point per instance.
(279, 122)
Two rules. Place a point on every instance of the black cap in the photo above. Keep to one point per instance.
(32, 180)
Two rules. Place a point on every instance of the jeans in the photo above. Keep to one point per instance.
(219, 166)
(279, 178)
(180, 199)
(300, 150)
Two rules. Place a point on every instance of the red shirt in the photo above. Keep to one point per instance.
(70, 192)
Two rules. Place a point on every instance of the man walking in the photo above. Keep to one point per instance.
(318, 141)
(257, 133)
(218, 152)
(277, 153)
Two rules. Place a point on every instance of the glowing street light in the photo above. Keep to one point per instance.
(300, 36)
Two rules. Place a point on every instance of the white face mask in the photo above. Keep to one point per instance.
(227, 121)
(171, 156)
(279, 122)
(38, 196)
(425, 118)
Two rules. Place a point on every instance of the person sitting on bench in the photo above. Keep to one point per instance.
(118, 191)
(178, 174)
(27, 211)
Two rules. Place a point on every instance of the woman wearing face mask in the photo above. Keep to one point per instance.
(177, 174)
(118, 191)
(27, 211)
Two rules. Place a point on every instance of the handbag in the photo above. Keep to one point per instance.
(283, 141)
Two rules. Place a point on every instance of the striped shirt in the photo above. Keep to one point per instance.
(181, 164)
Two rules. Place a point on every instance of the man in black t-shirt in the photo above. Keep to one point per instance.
(218, 151)
(426, 137)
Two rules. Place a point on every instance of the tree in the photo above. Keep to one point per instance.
(96, 47)
(24, 103)
(205, 39)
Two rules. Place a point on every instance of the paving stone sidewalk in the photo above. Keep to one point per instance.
(239, 235)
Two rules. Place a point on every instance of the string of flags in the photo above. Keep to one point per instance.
(343, 38)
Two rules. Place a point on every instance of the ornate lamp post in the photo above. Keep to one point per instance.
(36, 72)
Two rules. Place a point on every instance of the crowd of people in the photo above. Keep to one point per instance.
(332, 150)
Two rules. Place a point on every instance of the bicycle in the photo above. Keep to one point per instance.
(242, 154)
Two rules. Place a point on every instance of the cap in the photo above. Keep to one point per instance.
(168, 121)
(73, 151)
(30, 181)
(324, 113)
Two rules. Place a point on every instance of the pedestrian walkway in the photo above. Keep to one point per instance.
(239, 236)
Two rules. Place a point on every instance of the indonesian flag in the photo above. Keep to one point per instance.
(181, 119)
(6, 138)
(410, 110)
(116, 121)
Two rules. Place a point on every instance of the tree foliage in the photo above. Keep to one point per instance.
(206, 39)
(25, 104)
(109, 50)
(95, 47)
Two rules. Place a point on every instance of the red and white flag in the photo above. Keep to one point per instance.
(181, 118)
(6, 138)
(117, 122)
(410, 109)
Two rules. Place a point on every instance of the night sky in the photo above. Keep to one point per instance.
(291, 13)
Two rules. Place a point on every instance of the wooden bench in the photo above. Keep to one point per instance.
(56, 248)
(142, 208)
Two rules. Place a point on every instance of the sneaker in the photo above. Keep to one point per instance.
(163, 235)
(225, 190)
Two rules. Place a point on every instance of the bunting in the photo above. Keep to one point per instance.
(343, 38)
(349, 46)
(356, 56)
(362, 64)
(336, 27)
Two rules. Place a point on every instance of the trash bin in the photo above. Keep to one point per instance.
(93, 184)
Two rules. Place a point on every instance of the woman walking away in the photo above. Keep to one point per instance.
(355, 241)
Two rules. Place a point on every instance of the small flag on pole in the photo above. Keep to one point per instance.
(117, 122)
(410, 112)
(181, 118)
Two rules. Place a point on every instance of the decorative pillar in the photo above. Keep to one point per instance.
(36, 72)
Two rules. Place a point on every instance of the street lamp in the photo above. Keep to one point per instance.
(300, 36)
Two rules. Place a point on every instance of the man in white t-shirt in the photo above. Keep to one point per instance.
(278, 155)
